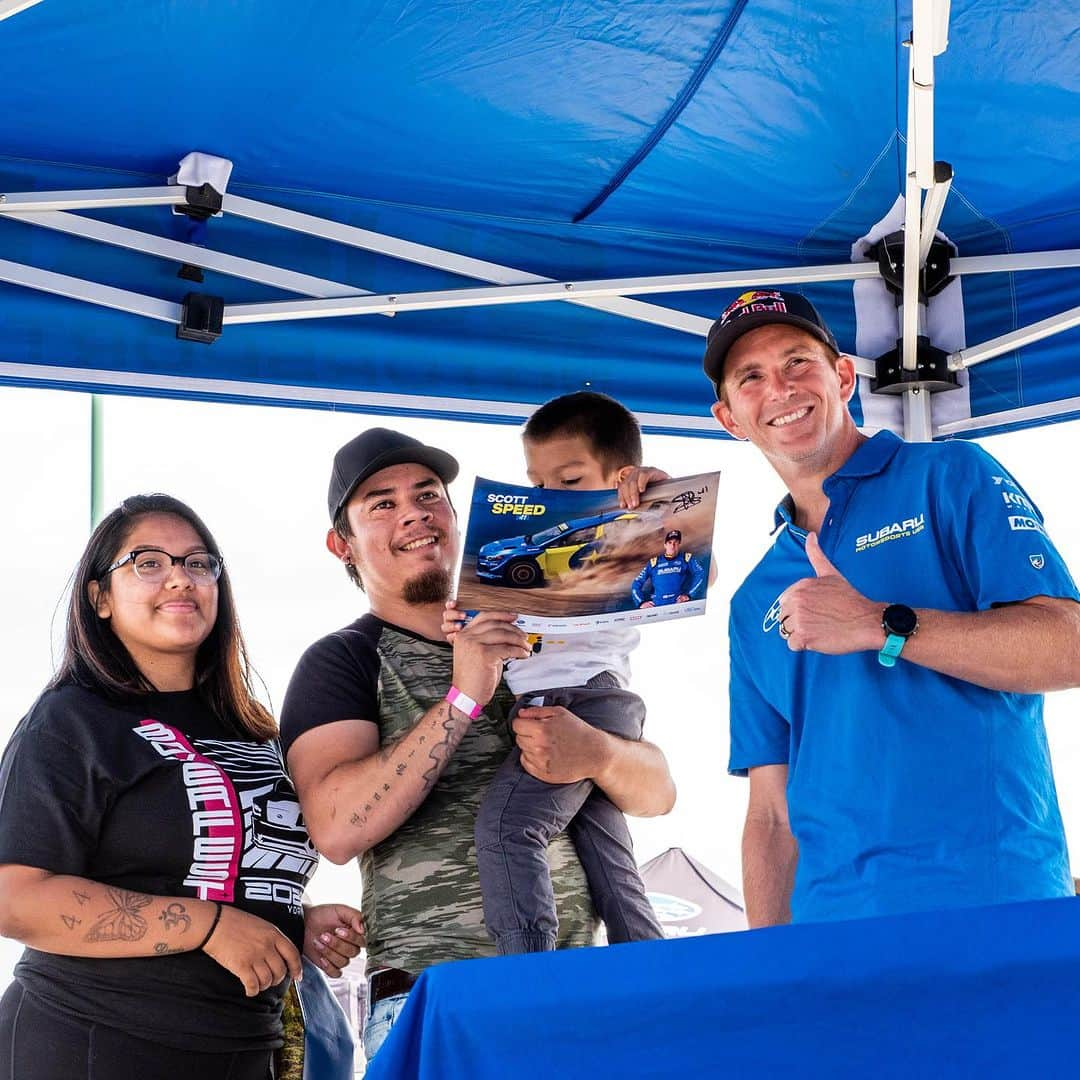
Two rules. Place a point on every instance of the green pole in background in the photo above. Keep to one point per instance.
(97, 457)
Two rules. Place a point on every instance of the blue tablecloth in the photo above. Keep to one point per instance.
(983, 992)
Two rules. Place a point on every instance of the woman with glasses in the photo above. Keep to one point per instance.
(152, 853)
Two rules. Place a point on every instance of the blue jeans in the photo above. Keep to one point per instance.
(380, 1020)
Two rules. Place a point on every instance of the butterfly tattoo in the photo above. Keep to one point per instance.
(122, 922)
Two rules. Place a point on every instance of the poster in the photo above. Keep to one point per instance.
(571, 561)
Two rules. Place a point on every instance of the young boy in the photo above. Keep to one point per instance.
(585, 441)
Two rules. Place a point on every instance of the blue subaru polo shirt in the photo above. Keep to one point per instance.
(907, 790)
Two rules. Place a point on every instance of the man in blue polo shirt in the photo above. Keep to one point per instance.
(890, 651)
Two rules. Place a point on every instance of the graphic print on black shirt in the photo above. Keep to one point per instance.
(244, 813)
(159, 796)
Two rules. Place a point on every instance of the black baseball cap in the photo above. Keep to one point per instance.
(379, 448)
(674, 534)
(754, 308)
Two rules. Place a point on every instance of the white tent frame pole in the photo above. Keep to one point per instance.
(13, 7)
(366, 240)
(89, 291)
(909, 316)
(33, 202)
(41, 202)
(177, 251)
(1015, 339)
(424, 255)
(1025, 415)
(1066, 259)
(909, 312)
(929, 37)
(918, 419)
(280, 310)
(933, 207)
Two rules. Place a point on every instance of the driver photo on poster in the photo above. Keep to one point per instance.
(672, 577)
(570, 561)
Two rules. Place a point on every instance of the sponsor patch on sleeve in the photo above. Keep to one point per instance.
(1023, 523)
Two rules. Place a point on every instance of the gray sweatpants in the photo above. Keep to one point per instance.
(519, 816)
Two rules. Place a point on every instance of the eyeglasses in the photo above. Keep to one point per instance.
(155, 566)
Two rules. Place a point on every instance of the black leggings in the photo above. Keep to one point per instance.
(37, 1042)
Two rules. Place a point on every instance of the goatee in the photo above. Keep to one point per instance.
(430, 587)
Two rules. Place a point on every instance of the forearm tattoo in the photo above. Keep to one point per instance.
(440, 752)
(122, 922)
(438, 755)
(176, 915)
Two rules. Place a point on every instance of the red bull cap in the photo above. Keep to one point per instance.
(754, 308)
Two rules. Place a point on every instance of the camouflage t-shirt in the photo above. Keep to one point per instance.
(421, 892)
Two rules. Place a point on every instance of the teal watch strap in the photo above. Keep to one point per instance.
(894, 645)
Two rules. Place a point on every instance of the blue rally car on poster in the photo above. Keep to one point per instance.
(528, 561)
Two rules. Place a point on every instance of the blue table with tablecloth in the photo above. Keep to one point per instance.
(986, 992)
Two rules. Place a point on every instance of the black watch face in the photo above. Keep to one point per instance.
(900, 619)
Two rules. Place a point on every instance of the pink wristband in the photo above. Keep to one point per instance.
(463, 703)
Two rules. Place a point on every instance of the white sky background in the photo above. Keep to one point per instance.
(258, 477)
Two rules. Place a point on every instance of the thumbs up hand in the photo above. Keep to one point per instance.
(825, 614)
(818, 559)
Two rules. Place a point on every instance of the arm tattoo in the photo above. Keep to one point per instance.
(122, 922)
(440, 752)
(175, 915)
(162, 949)
(70, 921)
(82, 897)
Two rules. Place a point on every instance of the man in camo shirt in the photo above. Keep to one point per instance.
(392, 736)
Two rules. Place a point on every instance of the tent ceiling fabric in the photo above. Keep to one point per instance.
(575, 140)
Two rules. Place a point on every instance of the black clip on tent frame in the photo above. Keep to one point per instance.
(931, 372)
(202, 314)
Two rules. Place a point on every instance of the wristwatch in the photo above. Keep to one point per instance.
(899, 623)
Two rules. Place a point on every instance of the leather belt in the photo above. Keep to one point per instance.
(387, 982)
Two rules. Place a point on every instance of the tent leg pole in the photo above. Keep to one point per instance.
(918, 409)
(97, 458)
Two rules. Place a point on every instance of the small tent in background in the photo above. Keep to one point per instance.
(688, 898)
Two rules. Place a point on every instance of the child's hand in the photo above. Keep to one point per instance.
(333, 935)
(453, 620)
(632, 482)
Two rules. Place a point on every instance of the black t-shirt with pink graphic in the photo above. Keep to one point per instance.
(155, 795)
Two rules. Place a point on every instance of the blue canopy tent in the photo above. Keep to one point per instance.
(615, 170)
(465, 164)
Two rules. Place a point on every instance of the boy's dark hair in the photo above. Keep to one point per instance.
(611, 430)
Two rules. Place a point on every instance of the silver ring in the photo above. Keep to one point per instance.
(785, 633)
